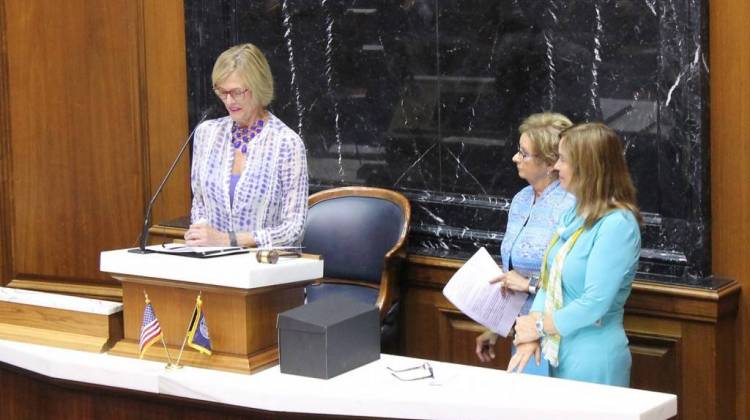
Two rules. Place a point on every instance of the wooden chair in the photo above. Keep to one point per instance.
(361, 234)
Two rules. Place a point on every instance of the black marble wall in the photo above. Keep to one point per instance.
(425, 97)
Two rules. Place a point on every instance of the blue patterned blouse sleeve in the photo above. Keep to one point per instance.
(198, 209)
(292, 196)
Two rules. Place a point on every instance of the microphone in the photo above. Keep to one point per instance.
(147, 220)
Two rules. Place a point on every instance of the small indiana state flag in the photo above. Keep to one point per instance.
(198, 337)
(150, 329)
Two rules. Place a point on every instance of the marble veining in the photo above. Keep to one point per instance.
(425, 97)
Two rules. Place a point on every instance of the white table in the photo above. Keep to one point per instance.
(457, 392)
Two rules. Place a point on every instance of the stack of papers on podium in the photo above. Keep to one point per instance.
(470, 291)
(197, 251)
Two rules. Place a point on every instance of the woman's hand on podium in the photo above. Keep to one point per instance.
(201, 234)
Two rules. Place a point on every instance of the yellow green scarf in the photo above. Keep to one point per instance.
(552, 284)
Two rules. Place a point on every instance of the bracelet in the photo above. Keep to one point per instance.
(232, 239)
(532, 289)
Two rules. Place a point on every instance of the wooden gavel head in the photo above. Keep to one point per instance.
(267, 256)
(271, 256)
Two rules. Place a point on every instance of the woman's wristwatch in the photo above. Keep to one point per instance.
(533, 280)
(540, 326)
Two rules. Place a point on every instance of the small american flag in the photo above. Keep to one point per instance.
(150, 329)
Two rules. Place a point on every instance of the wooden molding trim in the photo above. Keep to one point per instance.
(435, 261)
(689, 292)
(143, 94)
(639, 285)
(6, 171)
(677, 302)
(111, 292)
(669, 301)
(331, 280)
(167, 231)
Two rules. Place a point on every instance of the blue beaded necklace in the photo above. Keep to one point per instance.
(242, 136)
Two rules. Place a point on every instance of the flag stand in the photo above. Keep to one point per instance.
(184, 340)
(170, 365)
(144, 348)
(196, 321)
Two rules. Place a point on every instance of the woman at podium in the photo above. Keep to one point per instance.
(588, 267)
(249, 173)
(534, 213)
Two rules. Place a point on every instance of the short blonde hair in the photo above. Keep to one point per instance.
(544, 130)
(601, 179)
(251, 67)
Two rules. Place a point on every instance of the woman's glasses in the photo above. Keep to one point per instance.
(415, 373)
(236, 94)
(524, 154)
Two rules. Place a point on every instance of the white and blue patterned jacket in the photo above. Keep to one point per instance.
(530, 227)
(270, 198)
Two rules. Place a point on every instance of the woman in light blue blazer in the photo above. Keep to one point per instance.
(576, 320)
(534, 213)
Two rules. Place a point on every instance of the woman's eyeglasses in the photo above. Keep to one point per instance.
(524, 154)
(415, 373)
(236, 94)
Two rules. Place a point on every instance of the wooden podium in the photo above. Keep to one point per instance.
(241, 299)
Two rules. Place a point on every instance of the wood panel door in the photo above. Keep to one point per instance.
(730, 163)
(81, 148)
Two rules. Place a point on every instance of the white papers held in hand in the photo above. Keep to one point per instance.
(470, 291)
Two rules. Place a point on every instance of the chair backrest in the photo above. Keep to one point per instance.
(355, 229)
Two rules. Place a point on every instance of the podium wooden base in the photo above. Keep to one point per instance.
(190, 357)
(241, 322)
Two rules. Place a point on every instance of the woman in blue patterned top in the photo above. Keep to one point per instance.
(533, 216)
(589, 266)
(249, 173)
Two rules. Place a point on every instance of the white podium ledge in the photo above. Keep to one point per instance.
(56, 301)
(240, 271)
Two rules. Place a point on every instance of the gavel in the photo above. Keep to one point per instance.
(271, 256)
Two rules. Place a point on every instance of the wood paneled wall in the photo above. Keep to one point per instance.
(5, 160)
(730, 166)
(93, 111)
(166, 104)
(93, 106)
